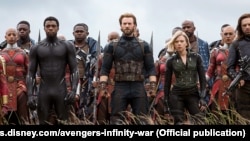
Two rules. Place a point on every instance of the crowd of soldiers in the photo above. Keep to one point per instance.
(57, 81)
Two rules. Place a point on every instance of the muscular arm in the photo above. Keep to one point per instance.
(149, 62)
(107, 62)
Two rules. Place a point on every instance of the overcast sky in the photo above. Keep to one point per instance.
(153, 16)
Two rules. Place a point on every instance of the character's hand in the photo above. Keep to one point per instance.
(103, 88)
(70, 98)
(241, 83)
(147, 86)
(32, 102)
(202, 104)
(152, 91)
(103, 85)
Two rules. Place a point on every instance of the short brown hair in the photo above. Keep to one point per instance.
(127, 15)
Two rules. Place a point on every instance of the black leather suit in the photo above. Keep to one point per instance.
(238, 50)
(185, 93)
(52, 58)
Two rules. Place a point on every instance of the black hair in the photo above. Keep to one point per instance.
(223, 26)
(83, 25)
(24, 22)
(51, 18)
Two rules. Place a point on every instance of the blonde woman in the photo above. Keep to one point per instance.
(185, 94)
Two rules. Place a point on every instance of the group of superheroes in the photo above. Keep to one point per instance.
(93, 98)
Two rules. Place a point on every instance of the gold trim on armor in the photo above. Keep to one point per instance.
(225, 78)
(5, 99)
(10, 79)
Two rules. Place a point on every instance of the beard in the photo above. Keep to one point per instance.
(51, 36)
(189, 34)
(127, 32)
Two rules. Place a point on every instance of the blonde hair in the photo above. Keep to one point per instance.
(170, 44)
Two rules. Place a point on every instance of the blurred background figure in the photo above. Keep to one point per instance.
(137, 32)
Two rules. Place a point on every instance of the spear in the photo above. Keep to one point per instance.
(98, 50)
(39, 36)
(151, 43)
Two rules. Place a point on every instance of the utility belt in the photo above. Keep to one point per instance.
(11, 79)
(224, 77)
(129, 77)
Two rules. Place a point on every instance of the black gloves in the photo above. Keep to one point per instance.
(202, 102)
(32, 102)
(70, 98)
(152, 89)
(103, 85)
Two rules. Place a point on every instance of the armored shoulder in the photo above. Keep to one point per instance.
(146, 47)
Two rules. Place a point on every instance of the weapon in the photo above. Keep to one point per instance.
(244, 67)
(33, 112)
(98, 51)
(151, 43)
(39, 36)
(151, 47)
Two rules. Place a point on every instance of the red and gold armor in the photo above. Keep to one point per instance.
(16, 70)
(218, 70)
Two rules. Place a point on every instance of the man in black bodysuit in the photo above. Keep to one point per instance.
(52, 56)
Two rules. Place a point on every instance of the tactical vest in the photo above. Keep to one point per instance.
(186, 75)
(128, 70)
(115, 43)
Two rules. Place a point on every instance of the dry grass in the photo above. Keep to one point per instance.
(231, 117)
(211, 118)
